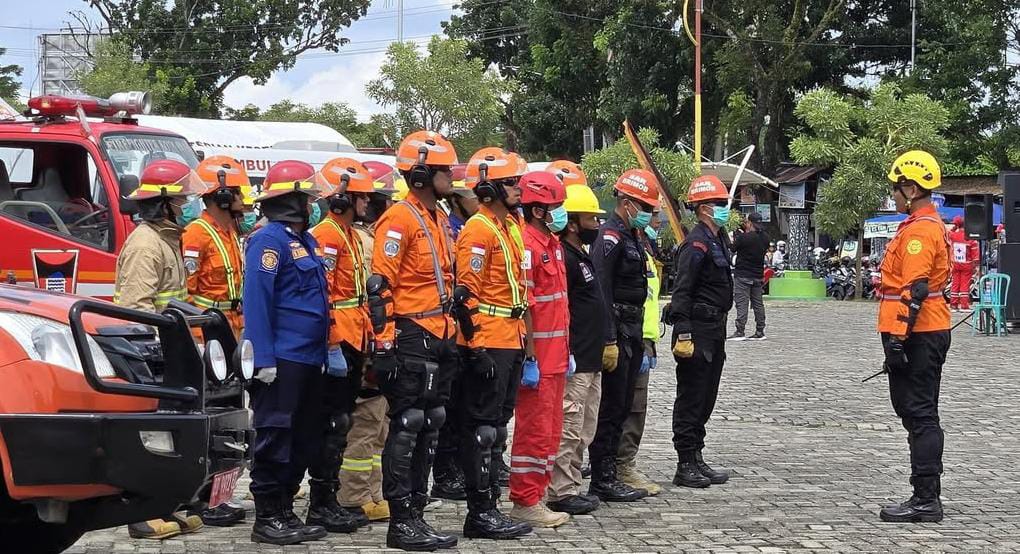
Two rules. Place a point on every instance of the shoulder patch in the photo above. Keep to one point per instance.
(191, 265)
(526, 260)
(391, 248)
(269, 260)
(329, 262)
(914, 247)
(476, 263)
(191, 253)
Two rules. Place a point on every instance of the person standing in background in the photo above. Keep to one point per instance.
(750, 247)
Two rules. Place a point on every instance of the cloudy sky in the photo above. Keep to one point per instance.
(317, 77)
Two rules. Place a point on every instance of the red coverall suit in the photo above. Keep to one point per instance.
(965, 260)
(539, 414)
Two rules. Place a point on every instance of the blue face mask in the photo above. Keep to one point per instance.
(559, 219)
(247, 222)
(315, 215)
(190, 211)
(641, 220)
(652, 233)
(720, 215)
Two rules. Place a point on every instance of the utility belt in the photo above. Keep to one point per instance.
(706, 313)
(514, 312)
(355, 302)
(207, 303)
(439, 310)
(627, 313)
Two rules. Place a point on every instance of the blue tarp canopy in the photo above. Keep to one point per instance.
(885, 225)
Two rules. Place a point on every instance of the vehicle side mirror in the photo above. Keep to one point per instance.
(127, 184)
(200, 154)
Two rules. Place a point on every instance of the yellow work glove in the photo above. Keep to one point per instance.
(610, 355)
(683, 348)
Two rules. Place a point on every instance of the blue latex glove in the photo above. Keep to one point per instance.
(652, 362)
(646, 364)
(571, 366)
(336, 364)
(530, 376)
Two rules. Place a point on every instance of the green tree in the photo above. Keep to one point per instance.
(202, 47)
(457, 96)
(114, 69)
(9, 83)
(860, 140)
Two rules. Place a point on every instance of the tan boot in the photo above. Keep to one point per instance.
(156, 529)
(629, 474)
(538, 515)
(376, 511)
(187, 523)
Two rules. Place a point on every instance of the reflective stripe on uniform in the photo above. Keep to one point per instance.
(161, 298)
(360, 273)
(549, 297)
(233, 289)
(548, 334)
(344, 304)
(511, 277)
(499, 311)
(204, 302)
(357, 464)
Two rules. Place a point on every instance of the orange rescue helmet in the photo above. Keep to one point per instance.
(568, 172)
(233, 172)
(346, 175)
(168, 178)
(493, 164)
(707, 188)
(640, 185)
(427, 148)
(290, 176)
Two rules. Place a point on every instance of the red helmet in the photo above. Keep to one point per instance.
(706, 188)
(640, 185)
(542, 187)
(383, 176)
(958, 221)
(292, 175)
(168, 178)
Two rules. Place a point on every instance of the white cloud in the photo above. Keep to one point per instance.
(344, 81)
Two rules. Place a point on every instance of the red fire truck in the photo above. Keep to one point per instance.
(63, 172)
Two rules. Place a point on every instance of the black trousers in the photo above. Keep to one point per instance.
(915, 397)
(417, 396)
(288, 430)
(617, 398)
(339, 395)
(486, 407)
(448, 446)
(697, 387)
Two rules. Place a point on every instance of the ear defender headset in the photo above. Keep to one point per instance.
(341, 201)
(223, 197)
(486, 189)
(420, 173)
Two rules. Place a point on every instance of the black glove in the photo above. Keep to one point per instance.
(895, 355)
(385, 366)
(481, 363)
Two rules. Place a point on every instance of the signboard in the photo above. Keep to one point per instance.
(791, 196)
(880, 230)
(764, 210)
(848, 249)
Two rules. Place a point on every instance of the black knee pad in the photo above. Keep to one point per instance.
(340, 422)
(411, 420)
(435, 418)
(485, 436)
(501, 436)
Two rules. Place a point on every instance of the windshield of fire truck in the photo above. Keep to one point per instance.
(129, 153)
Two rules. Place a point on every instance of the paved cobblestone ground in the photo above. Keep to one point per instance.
(815, 455)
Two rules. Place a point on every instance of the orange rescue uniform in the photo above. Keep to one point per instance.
(489, 265)
(213, 261)
(920, 250)
(346, 274)
(404, 256)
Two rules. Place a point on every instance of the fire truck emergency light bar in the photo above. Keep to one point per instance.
(131, 103)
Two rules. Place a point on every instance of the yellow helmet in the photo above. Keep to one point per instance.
(581, 200)
(917, 166)
(401, 186)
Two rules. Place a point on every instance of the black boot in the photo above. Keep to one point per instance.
(324, 511)
(688, 474)
(404, 532)
(223, 515)
(418, 502)
(449, 481)
(715, 477)
(484, 521)
(607, 487)
(271, 526)
(574, 505)
(511, 528)
(308, 532)
(924, 506)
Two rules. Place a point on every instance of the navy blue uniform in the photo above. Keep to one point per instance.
(287, 319)
(702, 296)
(622, 270)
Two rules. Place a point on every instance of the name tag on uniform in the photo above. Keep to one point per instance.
(297, 251)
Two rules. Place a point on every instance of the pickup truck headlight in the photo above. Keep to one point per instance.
(247, 359)
(49, 341)
(215, 361)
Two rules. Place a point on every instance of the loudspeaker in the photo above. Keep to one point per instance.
(1010, 181)
(1009, 263)
(977, 216)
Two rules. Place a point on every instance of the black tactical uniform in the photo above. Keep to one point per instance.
(622, 269)
(702, 296)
